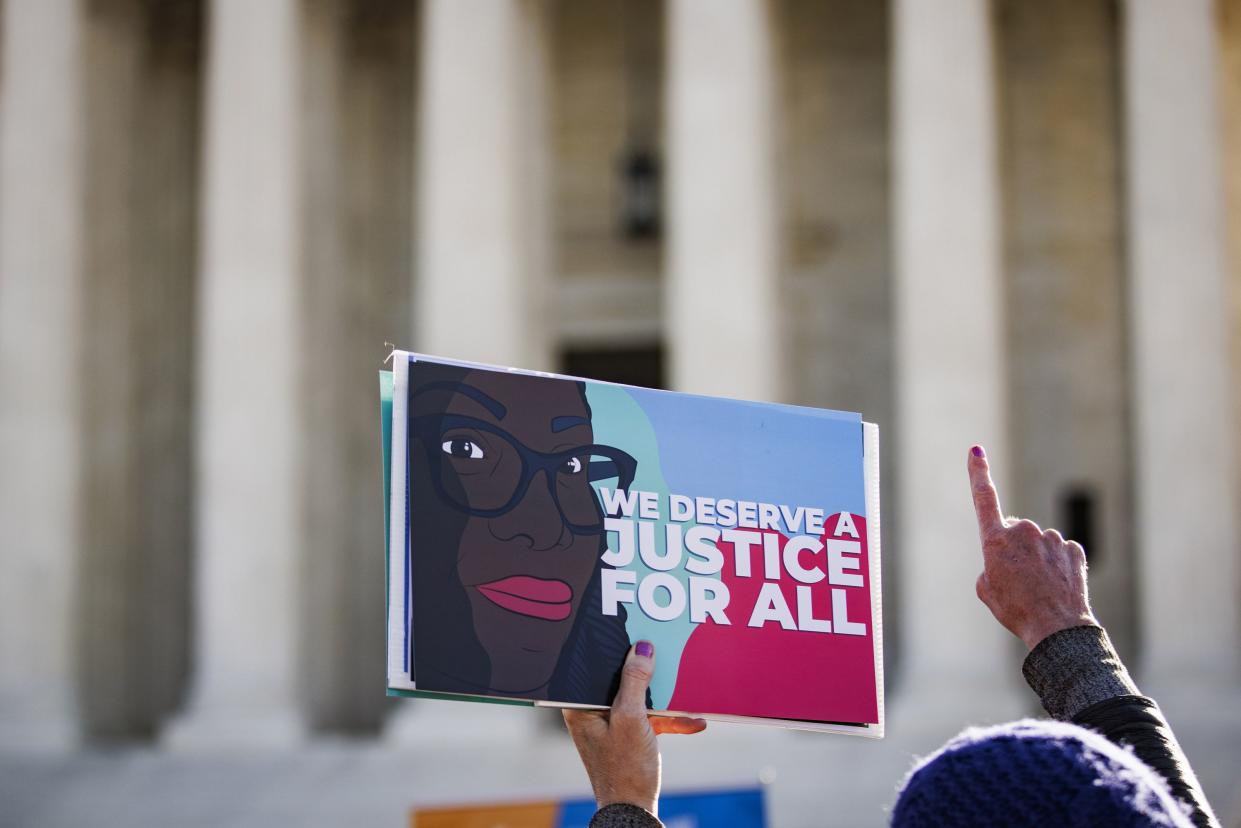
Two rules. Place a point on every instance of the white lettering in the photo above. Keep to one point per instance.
(648, 507)
(793, 519)
(671, 557)
(705, 558)
(806, 622)
(676, 597)
(624, 531)
(743, 543)
(680, 508)
(747, 514)
(771, 606)
(701, 606)
(844, 526)
(840, 615)
(837, 563)
(768, 517)
(613, 595)
(792, 559)
(771, 556)
(614, 502)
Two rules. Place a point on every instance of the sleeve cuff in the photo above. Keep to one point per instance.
(1075, 668)
(624, 815)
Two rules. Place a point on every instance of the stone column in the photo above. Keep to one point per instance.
(41, 236)
(357, 139)
(483, 233)
(949, 351)
(721, 298)
(1186, 476)
(141, 79)
(1230, 101)
(249, 523)
(1059, 64)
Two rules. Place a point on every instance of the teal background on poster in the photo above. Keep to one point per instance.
(619, 421)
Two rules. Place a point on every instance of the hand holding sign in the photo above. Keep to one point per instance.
(618, 746)
(1033, 581)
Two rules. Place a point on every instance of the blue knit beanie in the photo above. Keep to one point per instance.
(1036, 773)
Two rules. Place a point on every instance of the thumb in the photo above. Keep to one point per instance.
(635, 678)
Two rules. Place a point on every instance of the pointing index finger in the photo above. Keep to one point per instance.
(986, 500)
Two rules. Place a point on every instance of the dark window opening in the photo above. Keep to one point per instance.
(641, 365)
(1078, 515)
(641, 198)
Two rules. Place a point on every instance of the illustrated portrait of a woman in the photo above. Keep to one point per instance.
(506, 533)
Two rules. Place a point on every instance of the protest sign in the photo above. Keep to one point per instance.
(539, 524)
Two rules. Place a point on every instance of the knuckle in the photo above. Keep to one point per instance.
(995, 537)
(638, 672)
(1027, 530)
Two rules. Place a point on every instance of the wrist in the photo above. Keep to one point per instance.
(1040, 628)
(624, 815)
(634, 792)
(650, 804)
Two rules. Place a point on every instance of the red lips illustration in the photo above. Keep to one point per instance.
(527, 595)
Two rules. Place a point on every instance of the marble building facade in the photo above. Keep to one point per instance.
(1015, 222)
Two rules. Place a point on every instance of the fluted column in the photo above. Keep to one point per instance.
(357, 139)
(949, 348)
(249, 534)
(1059, 66)
(483, 233)
(482, 222)
(41, 305)
(721, 298)
(1187, 526)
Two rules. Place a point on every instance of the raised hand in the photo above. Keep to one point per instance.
(1033, 580)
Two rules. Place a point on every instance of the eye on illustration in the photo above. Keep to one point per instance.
(463, 448)
(571, 466)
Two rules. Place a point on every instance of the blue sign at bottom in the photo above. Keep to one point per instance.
(737, 808)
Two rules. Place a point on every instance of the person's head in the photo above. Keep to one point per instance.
(506, 530)
(1034, 773)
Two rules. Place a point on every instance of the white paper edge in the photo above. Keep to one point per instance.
(870, 444)
(398, 677)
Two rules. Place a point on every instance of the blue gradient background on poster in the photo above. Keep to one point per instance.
(700, 446)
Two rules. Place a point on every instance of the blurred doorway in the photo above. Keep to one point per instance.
(632, 365)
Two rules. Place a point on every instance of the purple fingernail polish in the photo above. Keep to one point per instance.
(977, 451)
(644, 649)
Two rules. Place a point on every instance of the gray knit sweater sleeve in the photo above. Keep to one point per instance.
(1080, 678)
(622, 815)
(1075, 668)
